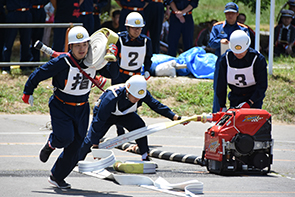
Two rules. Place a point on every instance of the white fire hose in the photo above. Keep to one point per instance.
(107, 158)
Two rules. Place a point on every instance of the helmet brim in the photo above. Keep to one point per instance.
(240, 50)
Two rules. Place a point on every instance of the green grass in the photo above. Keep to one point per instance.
(186, 99)
(212, 9)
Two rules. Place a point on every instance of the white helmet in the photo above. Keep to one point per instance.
(239, 41)
(78, 34)
(134, 19)
(136, 86)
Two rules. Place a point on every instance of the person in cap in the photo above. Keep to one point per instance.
(181, 23)
(219, 35)
(284, 36)
(291, 4)
(118, 105)
(244, 71)
(69, 107)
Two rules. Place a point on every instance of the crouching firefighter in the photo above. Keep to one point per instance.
(118, 106)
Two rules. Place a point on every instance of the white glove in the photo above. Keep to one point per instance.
(31, 100)
(223, 109)
(147, 75)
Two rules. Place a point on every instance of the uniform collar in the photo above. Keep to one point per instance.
(245, 58)
(128, 38)
(286, 27)
(225, 23)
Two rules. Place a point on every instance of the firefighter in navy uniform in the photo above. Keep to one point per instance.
(66, 11)
(2, 30)
(181, 22)
(118, 105)
(38, 16)
(154, 15)
(86, 15)
(69, 107)
(244, 71)
(97, 6)
(18, 11)
(220, 34)
(128, 7)
(135, 50)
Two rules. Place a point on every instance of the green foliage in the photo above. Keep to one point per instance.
(212, 9)
(264, 4)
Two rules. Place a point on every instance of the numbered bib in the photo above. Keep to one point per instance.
(240, 77)
(132, 58)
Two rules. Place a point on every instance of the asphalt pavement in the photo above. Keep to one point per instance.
(22, 174)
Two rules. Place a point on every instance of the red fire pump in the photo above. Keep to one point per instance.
(239, 142)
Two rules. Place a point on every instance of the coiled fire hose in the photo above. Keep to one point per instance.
(107, 158)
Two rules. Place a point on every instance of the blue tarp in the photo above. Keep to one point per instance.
(199, 63)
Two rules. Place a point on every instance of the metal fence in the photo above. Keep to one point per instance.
(33, 25)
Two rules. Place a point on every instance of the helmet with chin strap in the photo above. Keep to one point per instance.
(136, 86)
(78, 34)
(239, 41)
(134, 19)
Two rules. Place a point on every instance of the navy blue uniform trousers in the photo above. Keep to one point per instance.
(69, 125)
(88, 22)
(130, 121)
(176, 29)
(25, 35)
(154, 14)
(38, 16)
(59, 35)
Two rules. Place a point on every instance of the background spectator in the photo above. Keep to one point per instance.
(291, 4)
(242, 19)
(49, 10)
(285, 35)
(97, 6)
(114, 23)
(2, 30)
(164, 34)
(38, 16)
(204, 37)
(86, 15)
(154, 14)
(66, 11)
(181, 23)
(220, 35)
(18, 11)
(128, 7)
